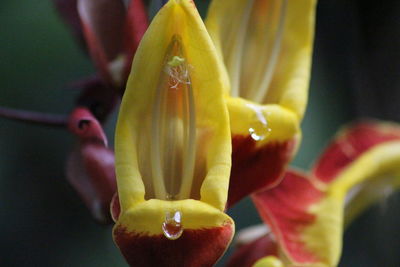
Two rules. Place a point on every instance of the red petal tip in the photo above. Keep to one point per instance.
(83, 124)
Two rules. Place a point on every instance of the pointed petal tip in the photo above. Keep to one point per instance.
(83, 124)
(349, 144)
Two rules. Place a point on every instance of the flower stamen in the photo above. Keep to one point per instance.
(173, 146)
(272, 49)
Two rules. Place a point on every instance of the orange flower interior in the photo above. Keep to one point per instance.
(173, 130)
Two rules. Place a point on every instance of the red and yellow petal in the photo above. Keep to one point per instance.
(350, 144)
(286, 210)
(266, 47)
(196, 248)
(264, 140)
(306, 214)
(206, 234)
(372, 174)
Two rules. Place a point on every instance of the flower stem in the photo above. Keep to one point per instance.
(34, 117)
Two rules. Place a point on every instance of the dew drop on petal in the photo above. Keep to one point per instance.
(258, 128)
(172, 226)
(260, 133)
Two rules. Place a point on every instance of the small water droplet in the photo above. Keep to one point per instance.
(259, 129)
(259, 132)
(172, 226)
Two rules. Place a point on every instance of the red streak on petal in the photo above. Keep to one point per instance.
(285, 209)
(247, 255)
(256, 168)
(195, 248)
(350, 146)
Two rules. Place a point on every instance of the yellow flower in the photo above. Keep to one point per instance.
(266, 47)
(173, 147)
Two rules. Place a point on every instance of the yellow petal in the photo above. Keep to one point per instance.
(266, 123)
(173, 147)
(195, 215)
(174, 102)
(266, 47)
(269, 261)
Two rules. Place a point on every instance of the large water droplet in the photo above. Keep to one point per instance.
(258, 128)
(172, 226)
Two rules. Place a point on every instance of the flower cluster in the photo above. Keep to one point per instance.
(210, 113)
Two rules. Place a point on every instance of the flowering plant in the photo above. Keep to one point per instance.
(211, 114)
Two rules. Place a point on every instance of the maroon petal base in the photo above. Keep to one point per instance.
(256, 168)
(195, 248)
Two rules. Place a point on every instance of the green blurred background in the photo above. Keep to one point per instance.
(43, 222)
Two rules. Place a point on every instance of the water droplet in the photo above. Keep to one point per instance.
(172, 226)
(259, 129)
(259, 133)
